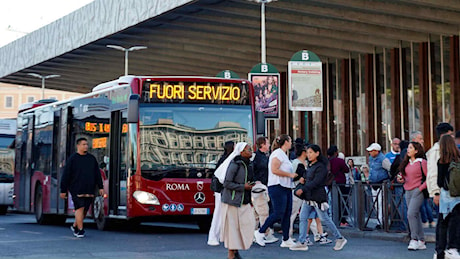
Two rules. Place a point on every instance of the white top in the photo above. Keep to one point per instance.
(285, 166)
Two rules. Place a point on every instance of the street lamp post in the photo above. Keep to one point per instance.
(263, 58)
(43, 80)
(126, 50)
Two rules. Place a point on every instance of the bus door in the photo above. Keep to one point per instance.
(26, 193)
(117, 174)
(54, 185)
(60, 152)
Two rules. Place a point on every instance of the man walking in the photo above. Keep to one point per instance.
(260, 197)
(81, 177)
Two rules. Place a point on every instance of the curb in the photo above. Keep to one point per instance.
(430, 237)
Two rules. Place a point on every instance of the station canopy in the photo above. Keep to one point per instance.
(204, 37)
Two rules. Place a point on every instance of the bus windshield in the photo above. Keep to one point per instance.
(186, 141)
(6, 158)
(6, 141)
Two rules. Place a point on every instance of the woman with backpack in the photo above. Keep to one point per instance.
(413, 169)
(449, 209)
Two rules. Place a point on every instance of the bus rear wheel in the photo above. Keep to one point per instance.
(101, 220)
(42, 219)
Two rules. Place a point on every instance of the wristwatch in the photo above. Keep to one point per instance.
(436, 194)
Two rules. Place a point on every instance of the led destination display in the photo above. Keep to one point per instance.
(195, 92)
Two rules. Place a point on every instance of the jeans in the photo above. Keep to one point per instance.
(325, 220)
(402, 209)
(426, 211)
(281, 198)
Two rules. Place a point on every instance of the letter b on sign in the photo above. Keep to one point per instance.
(264, 68)
(227, 75)
(305, 56)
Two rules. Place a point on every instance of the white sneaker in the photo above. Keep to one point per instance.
(270, 238)
(451, 254)
(299, 247)
(287, 243)
(309, 243)
(317, 237)
(421, 245)
(426, 225)
(324, 240)
(413, 244)
(340, 243)
(433, 224)
(212, 242)
(259, 237)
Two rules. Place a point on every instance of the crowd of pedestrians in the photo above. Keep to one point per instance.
(291, 180)
(271, 188)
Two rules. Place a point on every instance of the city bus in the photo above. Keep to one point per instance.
(157, 140)
(7, 135)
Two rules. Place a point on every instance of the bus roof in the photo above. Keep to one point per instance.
(128, 79)
(125, 81)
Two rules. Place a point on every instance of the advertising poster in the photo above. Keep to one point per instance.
(266, 93)
(306, 86)
(305, 79)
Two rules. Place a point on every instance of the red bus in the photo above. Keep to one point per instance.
(157, 140)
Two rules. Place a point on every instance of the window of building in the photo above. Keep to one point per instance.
(8, 102)
(30, 99)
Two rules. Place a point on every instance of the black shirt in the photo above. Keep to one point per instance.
(81, 175)
(260, 164)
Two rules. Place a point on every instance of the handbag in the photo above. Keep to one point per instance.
(216, 186)
(426, 195)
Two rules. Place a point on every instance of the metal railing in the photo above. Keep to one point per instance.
(370, 206)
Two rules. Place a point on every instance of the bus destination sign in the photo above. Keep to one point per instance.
(195, 92)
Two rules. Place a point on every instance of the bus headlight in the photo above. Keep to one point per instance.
(146, 198)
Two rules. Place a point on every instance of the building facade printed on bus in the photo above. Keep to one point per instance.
(157, 140)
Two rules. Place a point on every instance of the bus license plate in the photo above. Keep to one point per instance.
(200, 211)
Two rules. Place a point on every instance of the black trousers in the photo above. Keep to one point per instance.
(448, 227)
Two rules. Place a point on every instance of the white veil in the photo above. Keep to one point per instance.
(222, 169)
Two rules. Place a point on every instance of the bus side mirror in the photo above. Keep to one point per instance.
(133, 108)
(260, 123)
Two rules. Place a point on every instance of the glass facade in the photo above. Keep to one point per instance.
(418, 73)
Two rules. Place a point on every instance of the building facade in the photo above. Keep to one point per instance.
(379, 96)
(12, 96)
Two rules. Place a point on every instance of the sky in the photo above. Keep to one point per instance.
(19, 17)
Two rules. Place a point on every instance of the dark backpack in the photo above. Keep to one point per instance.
(454, 179)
